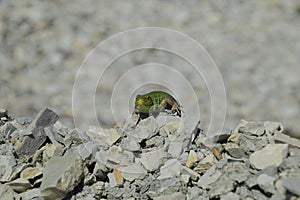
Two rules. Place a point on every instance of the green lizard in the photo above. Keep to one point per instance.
(155, 102)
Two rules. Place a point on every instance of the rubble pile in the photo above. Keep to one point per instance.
(156, 159)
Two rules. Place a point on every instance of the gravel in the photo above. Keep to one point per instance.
(78, 166)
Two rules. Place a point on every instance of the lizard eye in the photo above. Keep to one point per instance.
(149, 98)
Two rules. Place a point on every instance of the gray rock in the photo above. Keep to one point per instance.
(153, 159)
(173, 196)
(7, 162)
(31, 194)
(273, 127)
(145, 129)
(45, 118)
(7, 193)
(194, 175)
(130, 143)
(230, 196)
(222, 186)
(175, 148)
(111, 135)
(270, 171)
(287, 139)
(234, 150)
(238, 172)
(252, 128)
(262, 158)
(170, 169)
(51, 151)
(61, 176)
(266, 183)
(209, 177)
(133, 171)
(20, 185)
(277, 196)
(292, 185)
(115, 157)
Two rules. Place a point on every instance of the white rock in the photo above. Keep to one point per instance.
(152, 160)
(170, 169)
(272, 154)
(175, 149)
(173, 196)
(230, 196)
(209, 177)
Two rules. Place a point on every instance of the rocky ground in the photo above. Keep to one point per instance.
(255, 45)
(160, 158)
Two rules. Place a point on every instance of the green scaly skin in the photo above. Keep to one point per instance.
(155, 102)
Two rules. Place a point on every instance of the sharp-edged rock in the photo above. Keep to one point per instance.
(153, 159)
(61, 176)
(272, 154)
(170, 169)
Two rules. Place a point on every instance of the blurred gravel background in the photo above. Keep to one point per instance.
(255, 44)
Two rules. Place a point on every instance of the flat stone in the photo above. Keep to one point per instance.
(194, 175)
(118, 176)
(173, 196)
(209, 177)
(153, 159)
(192, 159)
(31, 194)
(7, 162)
(230, 196)
(112, 135)
(133, 171)
(173, 129)
(272, 154)
(234, 150)
(130, 143)
(7, 193)
(273, 127)
(292, 185)
(222, 186)
(61, 176)
(238, 172)
(175, 148)
(251, 128)
(287, 139)
(115, 157)
(20, 185)
(51, 151)
(145, 129)
(221, 136)
(170, 169)
(44, 118)
(31, 172)
(266, 183)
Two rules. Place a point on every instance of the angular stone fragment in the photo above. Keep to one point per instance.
(170, 169)
(192, 159)
(173, 196)
(33, 142)
(234, 150)
(20, 185)
(287, 139)
(153, 159)
(251, 128)
(31, 194)
(112, 135)
(209, 177)
(31, 172)
(61, 176)
(51, 151)
(272, 154)
(45, 118)
(175, 148)
(292, 185)
(273, 127)
(7, 193)
(194, 175)
(230, 196)
(266, 183)
(133, 171)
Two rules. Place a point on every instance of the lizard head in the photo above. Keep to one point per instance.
(143, 103)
